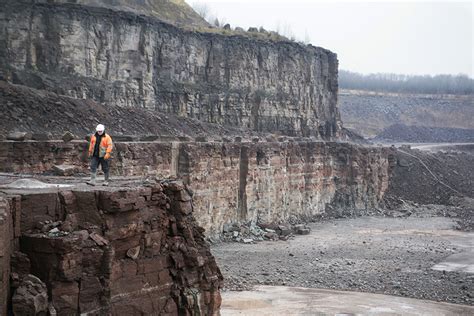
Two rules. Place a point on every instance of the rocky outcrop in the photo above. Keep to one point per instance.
(272, 182)
(6, 236)
(119, 58)
(31, 297)
(235, 182)
(120, 251)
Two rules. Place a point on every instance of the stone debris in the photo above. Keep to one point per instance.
(31, 297)
(252, 232)
(67, 137)
(99, 240)
(382, 255)
(55, 232)
(133, 252)
(301, 229)
(64, 170)
(19, 136)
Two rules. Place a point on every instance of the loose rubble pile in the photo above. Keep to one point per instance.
(250, 233)
(430, 116)
(423, 134)
(459, 208)
(382, 255)
(20, 104)
(427, 184)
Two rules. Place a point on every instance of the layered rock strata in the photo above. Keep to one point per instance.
(6, 237)
(235, 182)
(116, 251)
(118, 58)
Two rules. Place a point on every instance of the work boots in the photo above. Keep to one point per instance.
(106, 178)
(92, 181)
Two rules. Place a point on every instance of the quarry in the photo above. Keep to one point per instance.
(235, 186)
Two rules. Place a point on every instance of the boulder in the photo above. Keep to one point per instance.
(133, 252)
(67, 137)
(31, 297)
(302, 229)
(19, 136)
(64, 170)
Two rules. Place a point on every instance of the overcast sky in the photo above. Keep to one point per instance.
(416, 37)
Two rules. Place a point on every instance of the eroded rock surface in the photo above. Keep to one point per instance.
(263, 182)
(118, 58)
(31, 297)
(114, 251)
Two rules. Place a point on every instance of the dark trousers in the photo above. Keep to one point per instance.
(96, 161)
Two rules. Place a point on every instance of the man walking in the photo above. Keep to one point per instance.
(100, 149)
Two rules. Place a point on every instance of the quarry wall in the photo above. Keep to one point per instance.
(119, 58)
(109, 251)
(233, 182)
(6, 237)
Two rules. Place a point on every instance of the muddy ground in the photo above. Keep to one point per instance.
(369, 254)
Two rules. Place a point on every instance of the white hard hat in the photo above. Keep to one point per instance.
(100, 128)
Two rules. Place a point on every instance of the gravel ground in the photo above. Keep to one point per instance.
(369, 254)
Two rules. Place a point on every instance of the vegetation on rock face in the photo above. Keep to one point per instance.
(219, 25)
(439, 84)
(176, 12)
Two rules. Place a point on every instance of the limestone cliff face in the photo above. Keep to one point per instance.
(123, 59)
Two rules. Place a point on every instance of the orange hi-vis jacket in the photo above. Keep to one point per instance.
(105, 146)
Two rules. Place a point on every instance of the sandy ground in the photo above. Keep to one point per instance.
(381, 255)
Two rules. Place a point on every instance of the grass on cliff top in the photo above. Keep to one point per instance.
(179, 13)
(176, 12)
(252, 34)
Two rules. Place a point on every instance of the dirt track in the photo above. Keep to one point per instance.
(379, 255)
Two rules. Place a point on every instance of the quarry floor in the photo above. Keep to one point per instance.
(282, 300)
(422, 258)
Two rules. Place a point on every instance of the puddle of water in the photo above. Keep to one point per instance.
(430, 232)
(279, 300)
(248, 304)
(459, 262)
(33, 184)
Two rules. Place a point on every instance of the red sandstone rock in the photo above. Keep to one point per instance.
(64, 170)
(91, 269)
(30, 298)
(99, 240)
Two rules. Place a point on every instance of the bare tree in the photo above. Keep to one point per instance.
(284, 29)
(202, 9)
(307, 38)
(439, 84)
